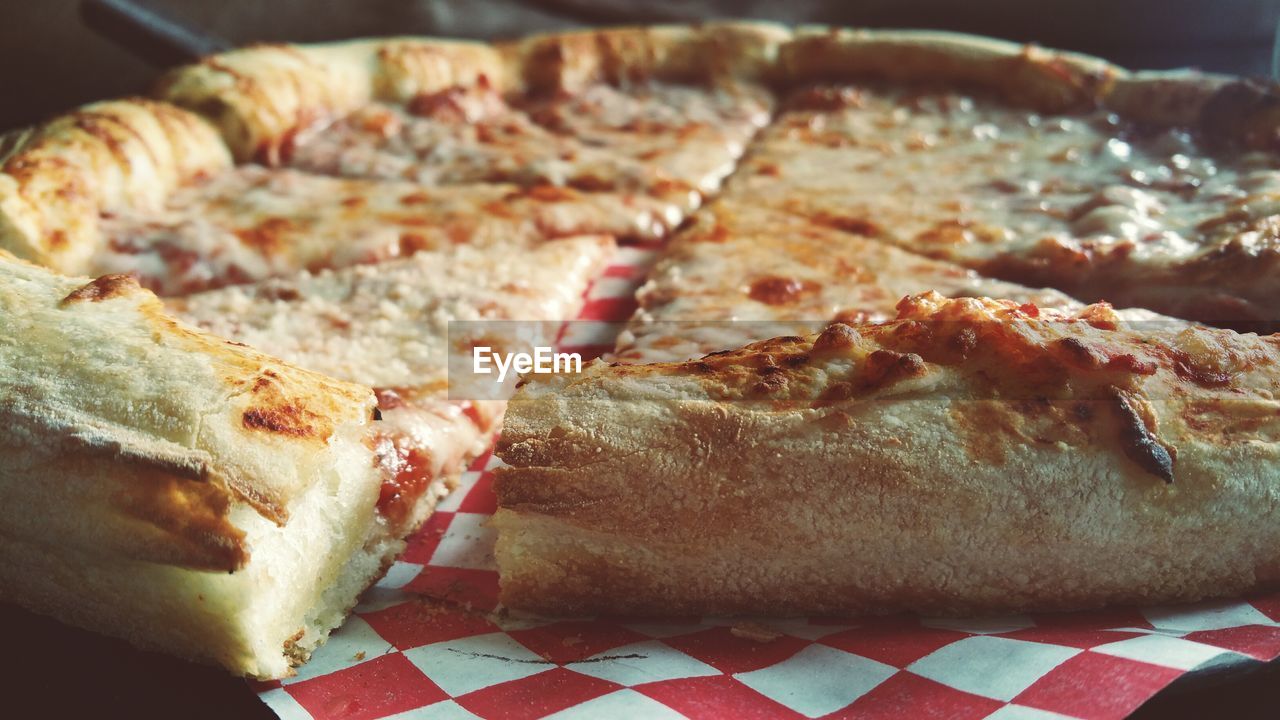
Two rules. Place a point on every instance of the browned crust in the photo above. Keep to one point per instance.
(1046, 79)
(261, 96)
(709, 53)
(196, 425)
(57, 178)
(971, 456)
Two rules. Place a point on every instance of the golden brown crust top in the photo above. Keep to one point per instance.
(1048, 80)
(178, 426)
(1159, 386)
(58, 178)
(262, 96)
(708, 53)
(1022, 346)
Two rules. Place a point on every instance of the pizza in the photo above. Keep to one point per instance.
(254, 223)
(881, 253)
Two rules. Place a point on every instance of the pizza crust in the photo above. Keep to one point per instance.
(211, 406)
(710, 53)
(176, 489)
(844, 473)
(260, 97)
(1048, 80)
(57, 179)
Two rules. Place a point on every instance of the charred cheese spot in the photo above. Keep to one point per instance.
(446, 104)
(718, 233)
(835, 338)
(104, 288)
(415, 198)
(411, 242)
(264, 381)
(1138, 437)
(282, 293)
(1188, 369)
(846, 223)
(770, 382)
(881, 369)
(267, 236)
(592, 183)
(768, 169)
(545, 193)
(1079, 354)
(775, 290)
(287, 419)
(666, 187)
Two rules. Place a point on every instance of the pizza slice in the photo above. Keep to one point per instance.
(147, 189)
(1157, 191)
(399, 327)
(253, 223)
(657, 113)
(182, 492)
(968, 456)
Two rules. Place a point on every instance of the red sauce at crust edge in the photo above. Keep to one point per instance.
(406, 477)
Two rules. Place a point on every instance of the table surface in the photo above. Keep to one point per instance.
(57, 671)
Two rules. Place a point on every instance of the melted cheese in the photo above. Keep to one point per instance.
(253, 223)
(665, 141)
(387, 325)
(743, 273)
(1073, 201)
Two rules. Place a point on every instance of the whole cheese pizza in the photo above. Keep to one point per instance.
(938, 323)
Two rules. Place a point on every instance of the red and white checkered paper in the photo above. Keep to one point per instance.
(430, 641)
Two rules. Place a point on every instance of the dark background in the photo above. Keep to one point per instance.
(49, 62)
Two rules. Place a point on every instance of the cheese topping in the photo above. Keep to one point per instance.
(742, 273)
(665, 141)
(1070, 201)
(387, 325)
(254, 223)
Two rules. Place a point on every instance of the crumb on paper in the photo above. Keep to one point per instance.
(754, 631)
(359, 656)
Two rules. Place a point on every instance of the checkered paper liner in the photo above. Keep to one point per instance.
(430, 640)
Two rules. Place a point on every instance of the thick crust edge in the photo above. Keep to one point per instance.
(58, 178)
